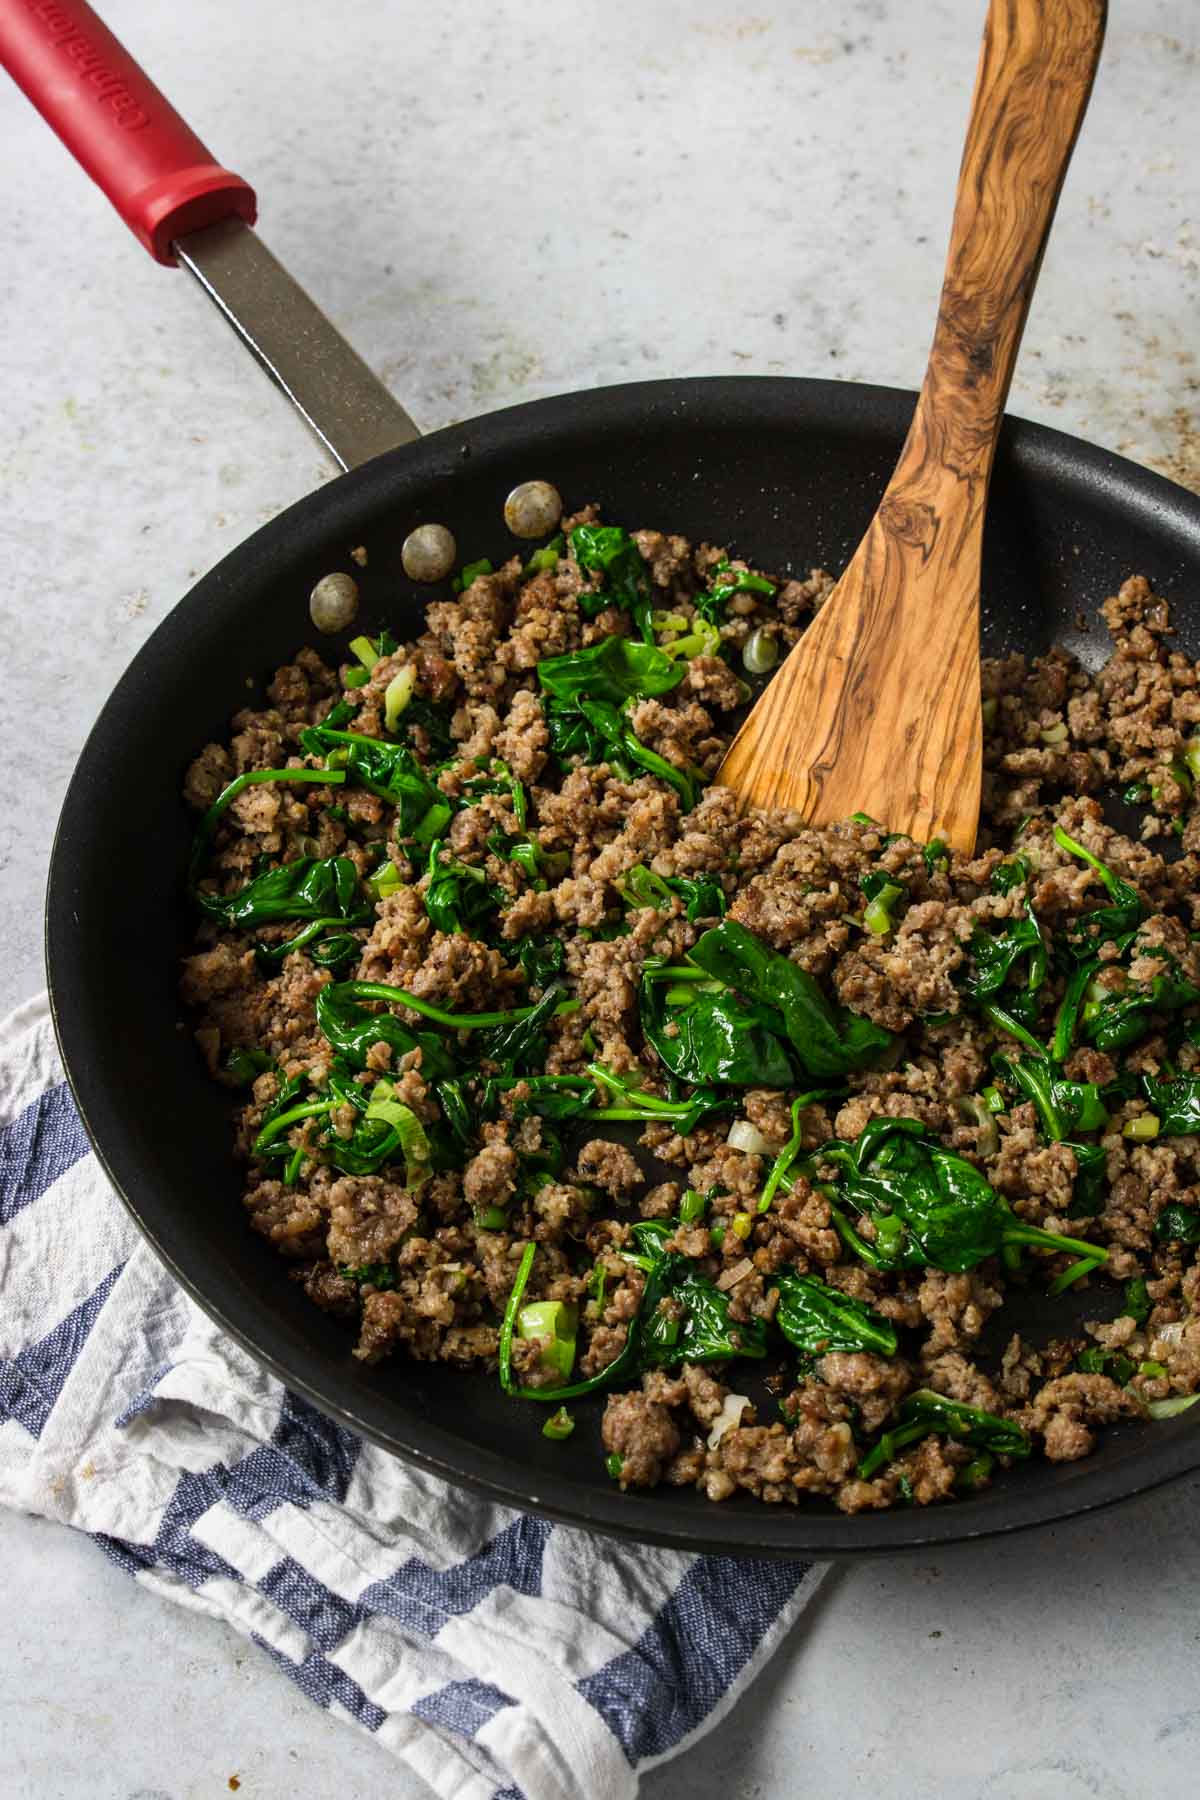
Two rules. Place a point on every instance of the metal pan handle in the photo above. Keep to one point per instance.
(184, 207)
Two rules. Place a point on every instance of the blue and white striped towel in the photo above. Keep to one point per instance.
(498, 1654)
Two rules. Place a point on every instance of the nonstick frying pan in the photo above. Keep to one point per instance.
(788, 472)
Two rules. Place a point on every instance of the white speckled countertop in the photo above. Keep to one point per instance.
(496, 204)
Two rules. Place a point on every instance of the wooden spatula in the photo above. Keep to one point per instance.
(877, 709)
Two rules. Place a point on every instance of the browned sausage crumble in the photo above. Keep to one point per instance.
(874, 1084)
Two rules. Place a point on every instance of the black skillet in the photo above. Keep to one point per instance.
(787, 472)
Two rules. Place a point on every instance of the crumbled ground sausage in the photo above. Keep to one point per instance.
(425, 1254)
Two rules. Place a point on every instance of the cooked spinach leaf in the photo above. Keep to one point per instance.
(704, 895)
(925, 1412)
(706, 1036)
(1125, 913)
(459, 896)
(310, 888)
(1063, 1106)
(926, 1206)
(389, 770)
(1176, 1102)
(619, 738)
(725, 582)
(827, 1041)
(541, 959)
(695, 1327)
(816, 1318)
(610, 552)
(1177, 1224)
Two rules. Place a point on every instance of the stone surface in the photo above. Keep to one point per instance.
(496, 204)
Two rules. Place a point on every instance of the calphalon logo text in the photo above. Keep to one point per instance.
(110, 89)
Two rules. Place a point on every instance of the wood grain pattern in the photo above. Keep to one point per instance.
(877, 709)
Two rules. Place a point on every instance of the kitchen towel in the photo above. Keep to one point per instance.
(498, 1654)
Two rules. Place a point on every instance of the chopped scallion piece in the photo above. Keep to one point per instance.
(1167, 1409)
(545, 558)
(433, 823)
(877, 915)
(692, 1207)
(386, 880)
(555, 1321)
(365, 651)
(397, 695)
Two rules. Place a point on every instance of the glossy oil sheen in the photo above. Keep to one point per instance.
(786, 473)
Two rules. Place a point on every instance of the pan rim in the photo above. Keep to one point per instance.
(723, 1530)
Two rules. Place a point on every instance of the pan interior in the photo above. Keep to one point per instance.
(787, 473)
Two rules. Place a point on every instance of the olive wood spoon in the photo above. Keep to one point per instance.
(877, 708)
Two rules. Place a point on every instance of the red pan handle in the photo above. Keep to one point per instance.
(113, 120)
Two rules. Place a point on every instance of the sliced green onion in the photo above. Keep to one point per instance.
(692, 1207)
(397, 695)
(877, 915)
(365, 651)
(669, 621)
(409, 1130)
(431, 824)
(386, 880)
(702, 639)
(556, 1320)
(239, 784)
(1141, 1129)
(1167, 1409)
(545, 558)
(976, 1111)
(356, 678)
(491, 1218)
(740, 1224)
